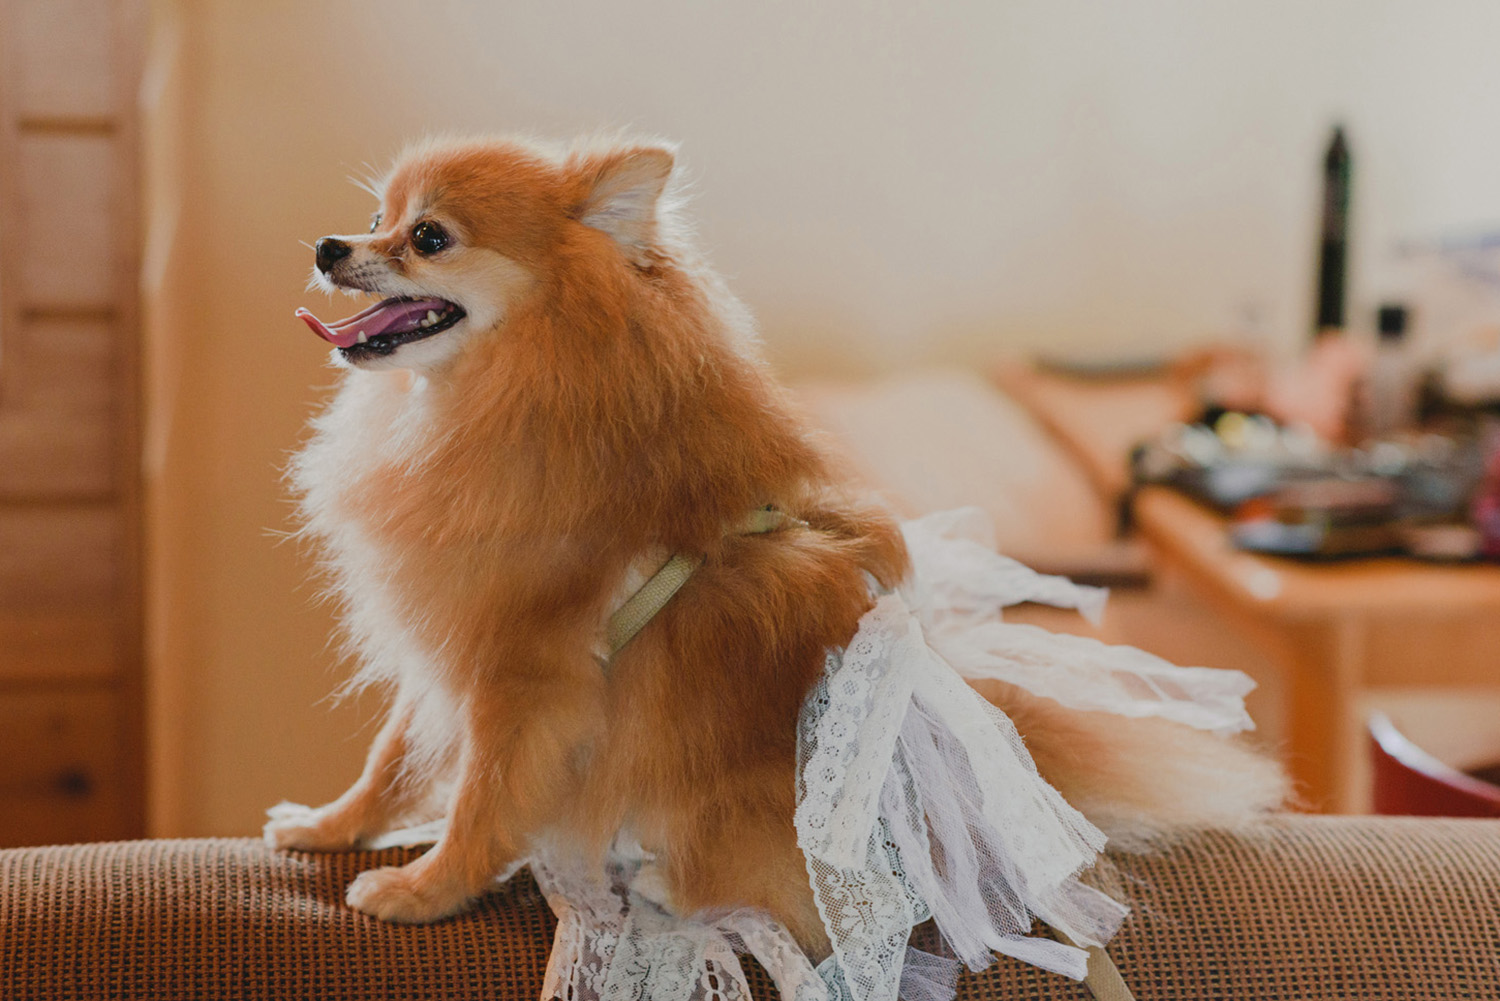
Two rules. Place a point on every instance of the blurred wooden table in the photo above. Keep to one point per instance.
(1334, 629)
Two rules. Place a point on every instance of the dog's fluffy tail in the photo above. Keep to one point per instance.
(1142, 780)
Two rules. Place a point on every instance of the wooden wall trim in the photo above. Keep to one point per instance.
(130, 48)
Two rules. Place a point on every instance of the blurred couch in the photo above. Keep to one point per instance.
(943, 438)
(1299, 908)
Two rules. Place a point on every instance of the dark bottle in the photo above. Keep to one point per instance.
(1390, 385)
(1335, 235)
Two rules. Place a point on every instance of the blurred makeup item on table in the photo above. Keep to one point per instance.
(1486, 509)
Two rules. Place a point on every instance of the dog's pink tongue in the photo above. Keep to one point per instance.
(381, 318)
(327, 333)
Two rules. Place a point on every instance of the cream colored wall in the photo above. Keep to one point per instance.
(883, 183)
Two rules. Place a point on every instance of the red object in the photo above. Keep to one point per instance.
(1486, 510)
(1410, 781)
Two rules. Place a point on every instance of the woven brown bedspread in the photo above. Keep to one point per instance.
(1308, 907)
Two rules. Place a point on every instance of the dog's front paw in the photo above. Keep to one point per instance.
(396, 894)
(306, 829)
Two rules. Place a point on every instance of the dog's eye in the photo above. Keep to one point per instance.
(428, 237)
(375, 221)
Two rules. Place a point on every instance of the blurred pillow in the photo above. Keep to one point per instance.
(940, 439)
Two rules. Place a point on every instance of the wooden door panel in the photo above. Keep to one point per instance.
(71, 720)
(66, 65)
(57, 399)
(65, 235)
(51, 646)
(59, 558)
(61, 777)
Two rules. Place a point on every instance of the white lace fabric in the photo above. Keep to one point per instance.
(614, 942)
(916, 799)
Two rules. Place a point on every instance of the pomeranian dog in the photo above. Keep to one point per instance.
(552, 396)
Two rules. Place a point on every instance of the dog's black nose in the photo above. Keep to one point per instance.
(330, 251)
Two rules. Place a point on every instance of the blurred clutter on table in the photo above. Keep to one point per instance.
(1336, 505)
(1381, 437)
(1345, 452)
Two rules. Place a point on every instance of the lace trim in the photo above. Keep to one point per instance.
(916, 798)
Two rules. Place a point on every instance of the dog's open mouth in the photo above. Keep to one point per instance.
(386, 326)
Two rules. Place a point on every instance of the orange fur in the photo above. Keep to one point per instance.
(618, 410)
(604, 404)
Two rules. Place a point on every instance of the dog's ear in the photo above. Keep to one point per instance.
(623, 189)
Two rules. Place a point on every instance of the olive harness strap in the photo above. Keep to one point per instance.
(1103, 978)
(653, 595)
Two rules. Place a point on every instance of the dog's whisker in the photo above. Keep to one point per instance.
(362, 184)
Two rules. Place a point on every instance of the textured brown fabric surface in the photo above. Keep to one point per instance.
(1306, 907)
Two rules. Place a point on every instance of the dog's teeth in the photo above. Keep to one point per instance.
(432, 317)
(362, 338)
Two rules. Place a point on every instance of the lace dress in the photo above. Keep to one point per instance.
(916, 799)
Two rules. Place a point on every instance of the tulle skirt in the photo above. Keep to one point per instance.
(916, 799)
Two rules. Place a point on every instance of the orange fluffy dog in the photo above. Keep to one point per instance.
(553, 396)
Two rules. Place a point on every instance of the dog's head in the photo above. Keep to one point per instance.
(466, 231)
